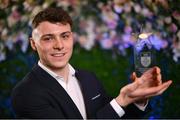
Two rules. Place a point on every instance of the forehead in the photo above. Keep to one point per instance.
(52, 28)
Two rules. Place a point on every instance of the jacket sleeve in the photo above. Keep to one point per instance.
(131, 112)
(107, 112)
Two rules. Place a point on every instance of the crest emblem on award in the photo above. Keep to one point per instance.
(145, 59)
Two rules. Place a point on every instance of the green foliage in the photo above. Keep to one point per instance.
(171, 97)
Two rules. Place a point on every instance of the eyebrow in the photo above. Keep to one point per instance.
(53, 34)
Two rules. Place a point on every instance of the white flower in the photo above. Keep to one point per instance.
(137, 8)
(106, 42)
(24, 41)
(9, 43)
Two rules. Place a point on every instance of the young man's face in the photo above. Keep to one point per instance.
(54, 44)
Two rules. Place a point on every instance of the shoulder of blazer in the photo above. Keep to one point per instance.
(85, 74)
(34, 79)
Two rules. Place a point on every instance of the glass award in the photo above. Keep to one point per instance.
(144, 54)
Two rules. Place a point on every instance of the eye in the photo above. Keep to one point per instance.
(47, 38)
(66, 36)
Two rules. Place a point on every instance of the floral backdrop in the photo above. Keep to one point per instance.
(105, 33)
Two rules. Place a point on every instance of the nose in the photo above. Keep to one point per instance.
(58, 44)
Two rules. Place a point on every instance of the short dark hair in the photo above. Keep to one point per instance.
(52, 15)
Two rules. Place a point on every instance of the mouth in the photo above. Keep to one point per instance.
(58, 54)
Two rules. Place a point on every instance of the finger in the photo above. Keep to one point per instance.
(156, 80)
(133, 76)
(157, 70)
(156, 76)
(154, 70)
(161, 91)
(144, 80)
(156, 90)
(149, 74)
(150, 91)
(159, 79)
(150, 70)
(158, 93)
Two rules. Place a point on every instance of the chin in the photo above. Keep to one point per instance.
(59, 65)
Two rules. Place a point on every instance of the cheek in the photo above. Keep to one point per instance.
(43, 50)
(69, 45)
(69, 48)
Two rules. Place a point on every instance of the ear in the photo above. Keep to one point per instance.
(32, 42)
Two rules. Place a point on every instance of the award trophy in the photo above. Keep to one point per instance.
(144, 54)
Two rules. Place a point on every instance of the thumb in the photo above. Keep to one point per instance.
(133, 76)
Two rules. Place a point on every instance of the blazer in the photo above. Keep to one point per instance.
(39, 95)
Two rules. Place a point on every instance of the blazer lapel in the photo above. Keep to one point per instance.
(61, 95)
(85, 91)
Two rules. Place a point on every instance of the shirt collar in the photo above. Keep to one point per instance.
(53, 74)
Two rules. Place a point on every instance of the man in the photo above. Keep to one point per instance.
(54, 89)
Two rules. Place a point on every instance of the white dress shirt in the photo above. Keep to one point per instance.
(72, 87)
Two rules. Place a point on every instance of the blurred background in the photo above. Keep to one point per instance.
(105, 32)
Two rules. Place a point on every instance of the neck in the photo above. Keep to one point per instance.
(61, 71)
(64, 72)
